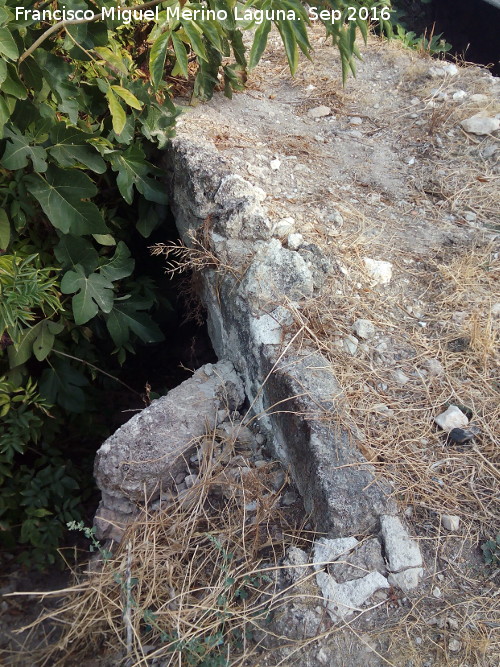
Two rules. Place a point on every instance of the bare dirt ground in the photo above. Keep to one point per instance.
(388, 174)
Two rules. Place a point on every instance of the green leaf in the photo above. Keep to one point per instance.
(20, 353)
(121, 265)
(287, 33)
(4, 114)
(93, 293)
(180, 54)
(259, 43)
(63, 384)
(105, 239)
(8, 46)
(133, 169)
(127, 97)
(18, 152)
(60, 197)
(72, 250)
(118, 115)
(71, 147)
(44, 341)
(194, 34)
(126, 317)
(157, 57)
(4, 229)
(13, 85)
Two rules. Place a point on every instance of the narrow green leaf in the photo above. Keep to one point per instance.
(157, 57)
(194, 34)
(118, 115)
(127, 97)
(259, 43)
(290, 43)
(4, 229)
(20, 353)
(180, 54)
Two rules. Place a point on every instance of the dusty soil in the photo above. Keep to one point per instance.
(412, 188)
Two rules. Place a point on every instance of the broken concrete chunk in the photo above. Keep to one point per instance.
(401, 550)
(480, 125)
(366, 557)
(452, 418)
(147, 453)
(327, 551)
(342, 600)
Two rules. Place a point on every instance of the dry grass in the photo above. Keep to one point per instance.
(190, 584)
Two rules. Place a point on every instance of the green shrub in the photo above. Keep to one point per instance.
(84, 107)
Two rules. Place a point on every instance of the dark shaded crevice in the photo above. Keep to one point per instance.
(472, 27)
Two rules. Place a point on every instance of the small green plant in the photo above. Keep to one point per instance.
(89, 533)
(433, 44)
(491, 551)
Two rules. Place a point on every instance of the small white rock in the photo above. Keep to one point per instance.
(275, 164)
(470, 216)
(294, 241)
(452, 418)
(436, 592)
(356, 120)
(495, 310)
(450, 522)
(319, 112)
(454, 645)
(284, 227)
(350, 344)
(480, 125)
(459, 95)
(379, 270)
(450, 68)
(363, 328)
(406, 580)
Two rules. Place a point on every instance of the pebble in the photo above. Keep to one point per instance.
(480, 125)
(294, 241)
(379, 270)
(275, 164)
(452, 418)
(284, 227)
(363, 328)
(470, 216)
(459, 95)
(319, 112)
(350, 344)
(356, 120)
(495, 310)
(450, 522)
(454, 645)
(436, 592)
(462, 436)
